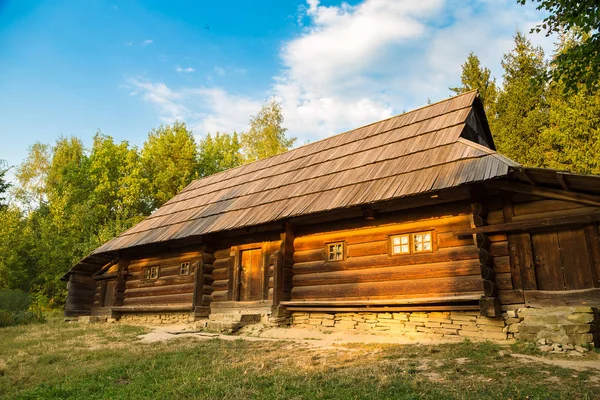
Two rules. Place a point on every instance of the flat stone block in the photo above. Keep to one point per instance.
(580, 328)
(495, 335)
(581, 339)
(470, 333)
(433, 324)
(581, 318)
(490, 321)
(328, 322)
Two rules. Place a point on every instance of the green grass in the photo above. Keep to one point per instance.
(57, 360)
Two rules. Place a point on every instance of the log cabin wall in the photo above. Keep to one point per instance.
(81, 290)
(170, 287)
(369, 272)
(546, 258)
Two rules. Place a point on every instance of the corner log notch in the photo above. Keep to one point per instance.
(489, 305)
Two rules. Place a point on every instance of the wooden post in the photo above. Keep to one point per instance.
(489, 305)
(276, 261)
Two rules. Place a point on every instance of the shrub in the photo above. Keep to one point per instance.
(14, 300)
(15, 309)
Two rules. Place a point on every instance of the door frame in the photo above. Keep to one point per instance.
(235, 272)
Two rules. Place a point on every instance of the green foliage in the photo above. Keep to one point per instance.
(14, 309)
(219, 153)
(521, 109)
(476, 77)
(579, 65)
(14, 300)
(170, 161)
(266, 136)
(4, 185)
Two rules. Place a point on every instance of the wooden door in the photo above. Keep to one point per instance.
(251, 277)
(108, 293)
(562, 261)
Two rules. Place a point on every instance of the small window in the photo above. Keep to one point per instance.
(184, 268)
(151, 273)
(335, 251)
(400, 244)
(422, 242)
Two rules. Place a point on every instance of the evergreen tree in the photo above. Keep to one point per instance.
(266, 136)
(4, 185)
(474, 76)
(170, 161)
(219, 153)
(571, 141)
(521, 109)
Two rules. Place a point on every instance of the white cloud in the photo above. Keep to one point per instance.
(204, 109)
(130, 43)
(147, 42)
(185, 70)
(352, 65)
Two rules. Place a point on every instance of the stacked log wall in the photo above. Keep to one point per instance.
(80, 295)
(369, 272)
(170, 288)
(559, 259)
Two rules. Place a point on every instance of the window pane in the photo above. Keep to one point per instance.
(418, 238)
(418, 246)
(396, 240)
(427, 237)
(404, 239)
(427, 246)
(396, 250)
(405, 248)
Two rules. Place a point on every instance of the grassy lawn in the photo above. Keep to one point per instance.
(58, 360)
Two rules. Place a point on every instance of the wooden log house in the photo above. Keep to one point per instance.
(414, 215)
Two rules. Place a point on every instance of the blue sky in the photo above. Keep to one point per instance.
(71, 67)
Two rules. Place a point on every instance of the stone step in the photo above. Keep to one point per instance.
(234, 317)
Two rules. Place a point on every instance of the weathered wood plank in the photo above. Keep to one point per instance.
(575, 259)
(443, 255)
(390, 288)
(547, 261)
(521, 261)
(422, 271)
(592, 238)
(585, 297)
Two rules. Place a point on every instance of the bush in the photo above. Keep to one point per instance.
(14, 300)
(15, 309)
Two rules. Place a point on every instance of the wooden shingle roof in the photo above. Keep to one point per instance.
(416, 152)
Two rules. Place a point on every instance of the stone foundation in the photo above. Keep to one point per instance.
(156, 318)
(412, 324)
(563, 325)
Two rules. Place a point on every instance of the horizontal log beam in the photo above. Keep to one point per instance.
(557, 194)
(535, 224)
(412, 308)
(366, 290)
(408, 300)
(160, 308)
(384, 260)
(584, 297)
(419, 271)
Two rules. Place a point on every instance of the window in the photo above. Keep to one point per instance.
(184, 268)
(151, 273)
(400, 244)
(335, 251)
(421, 242)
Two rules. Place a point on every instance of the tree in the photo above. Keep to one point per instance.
(170, 161)
(266, 136)
(31, 175)
(4, 185)
(219, 153)
(476, 77)
(521, 109)
(580, 63)
(571, 141)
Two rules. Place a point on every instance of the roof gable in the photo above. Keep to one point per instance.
(435, 147)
